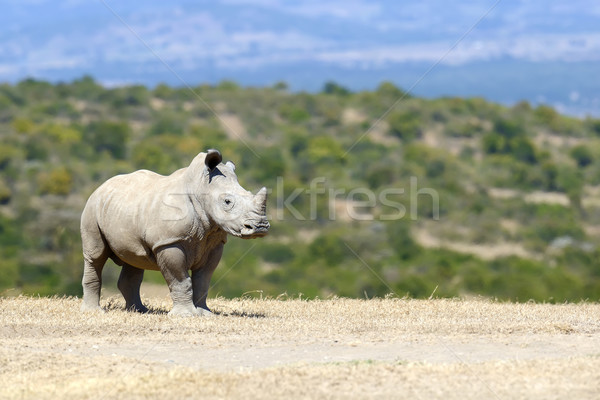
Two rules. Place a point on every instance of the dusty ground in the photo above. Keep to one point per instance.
(335, 348)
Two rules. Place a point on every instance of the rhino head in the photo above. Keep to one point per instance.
(233, 208)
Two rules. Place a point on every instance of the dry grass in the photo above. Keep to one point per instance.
(335, 348)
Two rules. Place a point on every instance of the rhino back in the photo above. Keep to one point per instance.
(138, 212)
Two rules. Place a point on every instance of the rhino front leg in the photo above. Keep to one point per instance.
(172, 264)
(129, 284)
(201, 279)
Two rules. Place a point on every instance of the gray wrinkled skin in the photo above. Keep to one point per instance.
(173, 224)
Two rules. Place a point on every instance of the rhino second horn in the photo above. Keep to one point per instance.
(260, 199)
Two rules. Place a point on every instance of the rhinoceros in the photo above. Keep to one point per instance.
(172, 224)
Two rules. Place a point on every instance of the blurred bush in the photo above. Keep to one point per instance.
(57, 181)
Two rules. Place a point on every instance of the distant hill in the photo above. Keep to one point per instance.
(372, 192)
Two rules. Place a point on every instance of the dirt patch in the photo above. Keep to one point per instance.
(348, 210)
(539, 197)
(336, 348)
(379, 133)
(157, 104)
(352, 116)
(591, 196)
(230, 123)
(592, 230)
(510, 225)
(483, 251)
(436, 137)
(555, 141)
(233, 126)
(502, 193)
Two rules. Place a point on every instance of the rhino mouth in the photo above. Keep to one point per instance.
(251, 231)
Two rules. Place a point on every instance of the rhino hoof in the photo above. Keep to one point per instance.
(137, 308)
(204, 312)
(91, 308)
(183, 312)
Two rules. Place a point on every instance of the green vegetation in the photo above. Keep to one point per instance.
(456, 196)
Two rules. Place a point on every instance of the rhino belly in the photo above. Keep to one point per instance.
(128, 248)
(136, 257)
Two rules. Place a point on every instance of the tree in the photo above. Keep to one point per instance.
(58, 181)
(401, 241)
(570, 180)
(109, 136)
(23, 125)
(323, 149)
(63, 134)
(405, 125)
(582, 155)
(86, 88)
(388, 89)
(8, 154)
(293, 113)
(508, 137)
(167, 123)
(594, 125)
(228, 85)
(164, 92)
(5, 192)
(37, 90)
(523, 149)
(281, 86)
(508, 129)
(329, 248)
(330, 87)
(152, 156)
(546, 115)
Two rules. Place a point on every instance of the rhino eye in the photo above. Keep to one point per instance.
(228, 202)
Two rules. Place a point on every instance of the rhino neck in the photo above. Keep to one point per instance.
(202, 222)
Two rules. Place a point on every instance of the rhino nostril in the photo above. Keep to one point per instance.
(248, 226)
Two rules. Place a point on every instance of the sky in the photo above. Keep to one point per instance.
(504, 50)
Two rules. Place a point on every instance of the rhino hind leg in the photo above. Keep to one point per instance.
(201, 283)
(92, 283)
(95, 253)
(129, 284)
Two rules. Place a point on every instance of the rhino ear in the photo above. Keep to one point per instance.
(213, 158)
(230, 165)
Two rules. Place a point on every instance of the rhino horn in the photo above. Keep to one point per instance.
(260, 199)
